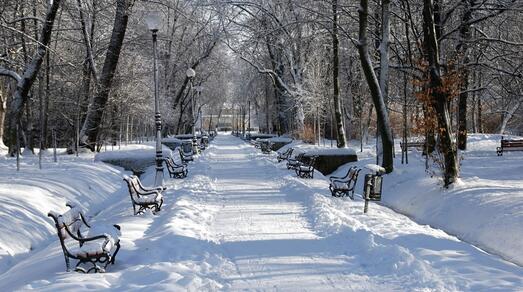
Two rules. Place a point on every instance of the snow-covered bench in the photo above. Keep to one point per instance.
(509, 145)
(142, 197)
(306, 169)
(185, 157)
(285, 155)
(94, 247)
(344, 185)
(293, 163)
(176, 170)
(265, 147)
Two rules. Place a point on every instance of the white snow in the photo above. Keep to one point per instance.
(241, 221)
(27, 196)
(331, 151)
(280, 139)
(135, 152)
(375, 168)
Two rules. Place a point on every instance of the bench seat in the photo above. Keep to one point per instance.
(94, 247)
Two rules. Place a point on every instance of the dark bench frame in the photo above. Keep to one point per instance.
(185, 157)
(174, 168)
(350, 179)
(100, 261)
(509, 145)
(265, 147)
(418, 145)
(293, 163)
(137, 190)
(285, 155)
(306, 169)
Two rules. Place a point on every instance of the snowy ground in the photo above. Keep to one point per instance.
(242, 221)
(485, 207)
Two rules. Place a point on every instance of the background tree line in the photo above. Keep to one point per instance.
(342, 69)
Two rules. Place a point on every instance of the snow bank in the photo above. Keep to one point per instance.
(172, 140)
(280, 139)
(27, 196)
(485, 206)
(330, 151)
(140, 152)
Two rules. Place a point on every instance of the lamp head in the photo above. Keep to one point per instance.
(190, 73)
(153, 21)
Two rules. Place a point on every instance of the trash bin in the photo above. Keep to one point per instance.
(372, 185)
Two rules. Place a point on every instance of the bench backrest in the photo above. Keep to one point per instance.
(353, 174)
(287, 153)
(68, 223)
(132, 184)
(511, 143)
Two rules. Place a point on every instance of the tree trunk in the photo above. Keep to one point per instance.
(462, 48)
(25, 82)
(439, 98)
(3, 106)
(372, 81)
(92, 123)
(341, 140)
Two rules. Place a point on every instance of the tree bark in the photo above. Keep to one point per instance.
(92, 123)
(439, 97)
(3, 106)
(341, 140)
(372, 81)
(462, 48)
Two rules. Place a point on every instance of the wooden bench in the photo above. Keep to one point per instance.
(285, 155)
(509, 145)
(142, 197)
(176, 170)
(265, 147)
(94, 248)
(185, 157)
(341, 186)
(306, 170)
(293, 163)
(415, 144)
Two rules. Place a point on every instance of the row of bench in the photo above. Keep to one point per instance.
(506, 145)
(339, 186)
(96, 247)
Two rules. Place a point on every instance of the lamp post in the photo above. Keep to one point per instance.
(190, 74)
(153, 23)
(195, 116)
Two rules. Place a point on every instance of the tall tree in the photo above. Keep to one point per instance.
(92, 123)
(375, 91)
(341, 141)
(26, 80)
(438, 94)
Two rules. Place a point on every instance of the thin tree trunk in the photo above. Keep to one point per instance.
(3, 107)
(439, 98)
(341, 140)
(462, 48)
(372, 81)
(93, 120)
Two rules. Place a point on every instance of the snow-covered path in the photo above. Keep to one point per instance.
(240, 221)
(262, 231)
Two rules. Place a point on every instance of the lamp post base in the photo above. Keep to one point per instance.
(158, 178)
